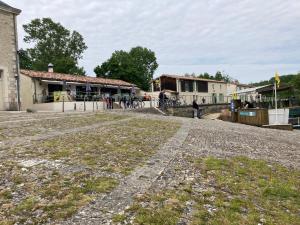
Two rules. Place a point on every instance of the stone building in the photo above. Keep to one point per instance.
(188, 89)
(39, 89)
(191, 88)
(9, 98)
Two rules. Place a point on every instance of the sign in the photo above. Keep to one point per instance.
(247, 113)
(232, 106)
(59, 96)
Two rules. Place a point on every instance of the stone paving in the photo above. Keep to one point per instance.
(165, 168)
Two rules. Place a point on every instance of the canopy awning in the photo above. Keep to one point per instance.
(270, 89)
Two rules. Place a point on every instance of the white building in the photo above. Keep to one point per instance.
(188, 88)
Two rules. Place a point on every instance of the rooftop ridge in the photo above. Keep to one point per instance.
(74, 78)
(9, 8)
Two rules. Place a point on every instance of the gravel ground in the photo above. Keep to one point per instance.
(168, 168)
(225, 139)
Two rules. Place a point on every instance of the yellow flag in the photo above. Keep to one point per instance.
(277, 79)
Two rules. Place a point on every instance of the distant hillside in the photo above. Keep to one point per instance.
(291, 79)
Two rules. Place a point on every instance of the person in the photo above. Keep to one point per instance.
(124, 101)
(196, 108)
(132, 91)
(203, 100)
(69, 96)
(44, 97)
(162, 98)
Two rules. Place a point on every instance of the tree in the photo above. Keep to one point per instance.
(218, 76)
(25, 60)
(136, 66)
(52, 43)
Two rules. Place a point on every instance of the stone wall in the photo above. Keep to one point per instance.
(187, 111)
(8, 88)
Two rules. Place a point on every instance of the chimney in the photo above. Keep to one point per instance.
(50, 68)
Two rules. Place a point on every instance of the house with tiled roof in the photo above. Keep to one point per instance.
(39, 87)
(9, 74)
(189, 88)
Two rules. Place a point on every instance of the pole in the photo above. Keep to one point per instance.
(17, 64)
(276, 108)
(93, 105)
(84, 107)
(63, 106)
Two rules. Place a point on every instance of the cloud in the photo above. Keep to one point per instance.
(252, 36)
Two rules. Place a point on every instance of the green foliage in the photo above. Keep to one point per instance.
(136, 66)
(291, 79)
(25, 60)
(52, 43)
(219, 76)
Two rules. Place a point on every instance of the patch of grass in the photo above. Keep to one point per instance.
(118, 148)
(5, 195)
(98, 185)
(119, 218)
(32, 128)
(160, 208)
(248, 192)
(233, 192)
(54, 195)
(27, 204)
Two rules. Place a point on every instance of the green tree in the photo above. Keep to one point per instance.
(25, 60)
(136, 66)
(218, 76)
(52, 43)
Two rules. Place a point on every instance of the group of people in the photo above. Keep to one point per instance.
(109, 102)
(126, 102)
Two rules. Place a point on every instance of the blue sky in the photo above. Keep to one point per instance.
(247, 39)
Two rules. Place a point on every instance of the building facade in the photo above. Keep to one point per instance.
(9, 98)
(38, 87)
(188, 88)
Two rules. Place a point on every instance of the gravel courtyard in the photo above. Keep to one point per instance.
(127, 168)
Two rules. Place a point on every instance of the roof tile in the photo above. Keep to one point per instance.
(73, 78)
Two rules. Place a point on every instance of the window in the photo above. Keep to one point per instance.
(1, 74)
(168, 84)
(187, 85)
(221, 98)
(202, 86)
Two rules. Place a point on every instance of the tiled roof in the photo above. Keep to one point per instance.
(73, 78)
(191, 78)
(244, 85)
(8, 8)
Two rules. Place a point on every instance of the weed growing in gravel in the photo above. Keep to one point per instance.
(33, 128)
(50, 195)
(118, 148)
(228, 191)
(160, 208)
(249, 192)
(50, 188)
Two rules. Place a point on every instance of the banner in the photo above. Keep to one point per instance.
(59, 96)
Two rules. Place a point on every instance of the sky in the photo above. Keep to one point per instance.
(247, 39)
